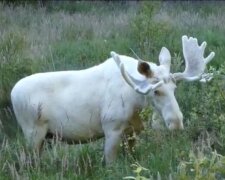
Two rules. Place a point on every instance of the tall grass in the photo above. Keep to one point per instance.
(67, 35)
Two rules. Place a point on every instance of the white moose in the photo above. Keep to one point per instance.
(104, 100)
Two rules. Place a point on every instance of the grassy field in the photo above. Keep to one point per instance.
(70, 36)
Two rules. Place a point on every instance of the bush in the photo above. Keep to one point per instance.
(13, 64)
(148, 33)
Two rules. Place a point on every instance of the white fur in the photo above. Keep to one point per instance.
(99, 101)
(85, 104)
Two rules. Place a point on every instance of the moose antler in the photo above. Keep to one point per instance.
(194, 61)
(142, 87)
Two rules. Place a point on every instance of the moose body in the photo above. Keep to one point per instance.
(76, 104)
(97, 102)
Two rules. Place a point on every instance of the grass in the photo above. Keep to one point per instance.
(65, 35)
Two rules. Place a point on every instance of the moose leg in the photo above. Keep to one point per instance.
(35, 136)
(113, 131)
(112, 141)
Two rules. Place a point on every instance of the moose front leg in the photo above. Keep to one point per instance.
(112, 141)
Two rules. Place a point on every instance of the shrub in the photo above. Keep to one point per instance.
(13, 64)
(148, 33)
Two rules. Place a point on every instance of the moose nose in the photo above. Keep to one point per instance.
(176, 123)
(176, 126)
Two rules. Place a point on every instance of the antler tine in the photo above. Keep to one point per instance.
(209, 57)
(203, 46)
(195, 63)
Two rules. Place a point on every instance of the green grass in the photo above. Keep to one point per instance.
(71, 36)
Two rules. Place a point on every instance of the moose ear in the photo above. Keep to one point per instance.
(165, 57)
(144, 69)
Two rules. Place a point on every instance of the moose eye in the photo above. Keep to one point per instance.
(157, 92)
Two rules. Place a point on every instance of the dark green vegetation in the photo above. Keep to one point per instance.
(60, 36)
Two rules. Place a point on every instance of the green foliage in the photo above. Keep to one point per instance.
(145, 113)
(84, 53)
(12, 67)
(199, 166)
(149, 33)
(138, 170)
(202, 166)
(76, 35)
(208, 115)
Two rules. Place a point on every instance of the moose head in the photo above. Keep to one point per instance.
(159, 83)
